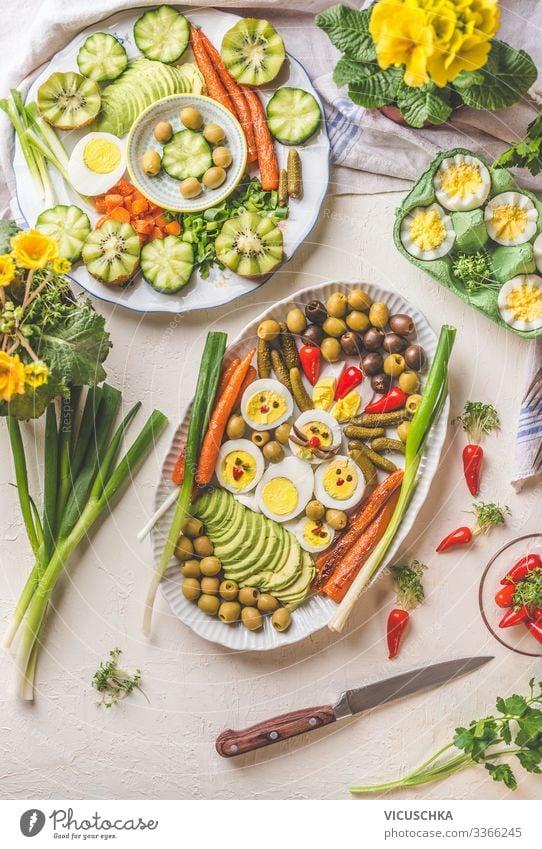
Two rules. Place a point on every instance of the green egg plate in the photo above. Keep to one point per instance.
(502, 258)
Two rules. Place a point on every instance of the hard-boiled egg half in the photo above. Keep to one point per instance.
(462, 183)
(520, 302)
(97, 162)
(285, 489)
(315, 436)
(339, 483)
(266, 404)
(240, 465)
(313, 536)
(427, 232)
(511, 218)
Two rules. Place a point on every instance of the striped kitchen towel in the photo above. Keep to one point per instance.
(529, 434)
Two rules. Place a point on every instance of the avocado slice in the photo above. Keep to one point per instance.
(241, 539)
(224, 517)
(274, 581)
(205, 505)
(296, 592)
(258, 543)
(283, 540)
(225, 530)
(244, 570)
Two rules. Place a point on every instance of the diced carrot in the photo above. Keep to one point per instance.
(142, 225)
(124, 187)
(100, 204)
(139, 206)
(112, 201)
(160, 220)
(102, 220)
(173, 228)
(156, 233)
(120, 214)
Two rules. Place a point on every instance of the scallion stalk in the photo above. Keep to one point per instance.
(21, 478)
(8, 106)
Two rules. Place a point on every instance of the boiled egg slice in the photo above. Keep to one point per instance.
(285, 489)
(97, 162)
(248, 500)
(240, 465)
(265, 404)
(511, 218)
(313, 536)
(320, 434)
(339, 483)
(520, 302)
(461, 183)
(427, 232)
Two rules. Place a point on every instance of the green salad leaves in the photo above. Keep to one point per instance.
(527, 153)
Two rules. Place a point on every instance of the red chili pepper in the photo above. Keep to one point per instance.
(536, 630)
(522, 568)
(514, 617)
(536, 613)
(309, 356)
(392, 400)
(472, 466)
(349, 379)
(461, 536)
(504, 598)
(397, 622)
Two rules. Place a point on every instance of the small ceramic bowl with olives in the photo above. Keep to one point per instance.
(186, 153)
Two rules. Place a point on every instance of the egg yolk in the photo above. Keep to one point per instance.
(318, 434)
(266, 407)
(101, 156)
(460, 180)
(525, 302)
(323, 393)
(509, 221)
(315, 534)
(340, 480)
(238, 469)
(346, 407)
(280, 496)
(427, 230)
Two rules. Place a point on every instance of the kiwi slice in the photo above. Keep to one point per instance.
(111, 253)
(250, 245)
(253, 51)
(69, 100)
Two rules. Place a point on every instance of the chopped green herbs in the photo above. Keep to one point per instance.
(115, 683)
(475, 272)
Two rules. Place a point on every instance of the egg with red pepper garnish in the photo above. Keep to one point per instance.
(315, 436)
(313, 536)
(339, 483)
(240, 465)
(265, 404)
(285, 489)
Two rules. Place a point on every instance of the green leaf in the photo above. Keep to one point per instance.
(374, 87)
(463, 739)
(505, 78)
(502, 772)
(513, 706)
(530, 727)
(348, 30)
(34, 402)
(427, 103)
(530, 760)
(526, 153)
(7, 230)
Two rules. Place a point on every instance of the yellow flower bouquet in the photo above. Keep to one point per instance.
(426, 57)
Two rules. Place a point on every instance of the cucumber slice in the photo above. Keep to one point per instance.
(293, 115)
(102, 57)
(69, 225)
(162, 34)
(167, 264)
(186, 155)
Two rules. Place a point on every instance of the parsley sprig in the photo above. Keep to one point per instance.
(478, 419)
(115, 683)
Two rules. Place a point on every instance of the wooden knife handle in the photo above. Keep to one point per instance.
(231, 743)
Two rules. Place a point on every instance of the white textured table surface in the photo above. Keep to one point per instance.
(63, 746)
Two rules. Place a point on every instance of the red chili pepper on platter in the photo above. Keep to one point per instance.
(514, 617)
(504, 597)
(522, 568)
(310, 358)
(349, 379)
(392, 400)
(410, 594)
(536, 630)
(477, 420)
(486, 516)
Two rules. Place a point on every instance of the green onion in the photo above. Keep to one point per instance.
(32, 157)
(209, 375)
(21, 477)
(433, 398)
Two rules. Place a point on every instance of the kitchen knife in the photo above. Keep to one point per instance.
(231, 743)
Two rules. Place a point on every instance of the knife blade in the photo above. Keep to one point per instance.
(231, 743)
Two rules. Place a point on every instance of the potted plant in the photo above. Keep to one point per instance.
(419, 60)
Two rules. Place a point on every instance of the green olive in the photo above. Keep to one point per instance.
(228, 590)
(209, 604)
(379, 314)
(191, 118)
(210, 565)
(236, 427)
(357, 320)
(190, 188)
(251, 618)
(337, 305)
(334, 327)
(331, 349)
(190, 569)
(268, 330)
(282, 433)
(394, 365)
(151, 163)
(163, 131)
(248, 596)
(281, 619)
(315, 510)
(409, 382)
(360, 300)
(412, 404)
(402, 431)
(210, 585)
(214, 177)
(192, 527)
(203, 546)
(273, 452)
(191, 589)
(267, 603)
(261, 437)
(184, 550)
(296, 321)
(336, 519)
(213, 133)
(229, 611)
(222, 157)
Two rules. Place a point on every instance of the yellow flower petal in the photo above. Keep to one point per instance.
(12, 376)
(33, 250)
(7, 269)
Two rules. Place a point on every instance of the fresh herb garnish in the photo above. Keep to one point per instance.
(488, 515)
(408, 583)
(475, 272)
(478, 419)
(115, 683)
(529, 591)
(525, 153)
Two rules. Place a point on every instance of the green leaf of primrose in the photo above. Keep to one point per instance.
(427, 103)
(505, 78)
(348, 31)
(374, 87)
(75, 347)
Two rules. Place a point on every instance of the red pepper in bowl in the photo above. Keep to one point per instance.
(505, 596)
(522, 568)
(514, 617)
(392, 400)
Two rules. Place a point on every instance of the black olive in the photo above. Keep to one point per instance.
(393, 343)
(351, 343)
(373, 338)
(402, 324)
(415, 357)
(313, 335)
(316, 312)
(372, 363)
(381, 383)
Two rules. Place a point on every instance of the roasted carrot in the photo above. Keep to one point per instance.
(267, 158)
(340, 581)
(219, 420)
(215, 89)
(177, 475)
(237, 97)
(251, 376)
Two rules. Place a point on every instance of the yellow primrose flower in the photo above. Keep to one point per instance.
(61, 265)
(12, 376)
(7, 269)
(402, 36)
(36, 374)
(33, 249)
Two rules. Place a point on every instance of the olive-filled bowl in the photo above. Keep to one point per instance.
(186, 151)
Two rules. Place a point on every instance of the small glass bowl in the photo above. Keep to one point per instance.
(517, 638)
